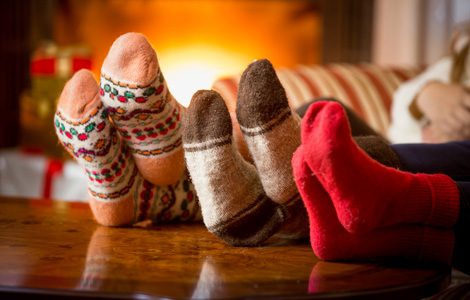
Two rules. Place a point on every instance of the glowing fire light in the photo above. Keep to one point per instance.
(195, 67)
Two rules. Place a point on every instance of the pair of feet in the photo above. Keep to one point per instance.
(360, 209)
(128, 133)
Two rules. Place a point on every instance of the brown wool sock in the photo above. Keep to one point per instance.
(378, 149)
(272, 134)
(234, 205)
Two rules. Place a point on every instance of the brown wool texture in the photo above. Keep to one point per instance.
(234, 205)
(378, 149)
(271, 131)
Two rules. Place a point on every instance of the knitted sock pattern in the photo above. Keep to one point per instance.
(366, 194)
(270, 128)
(166, 204)
(118, 193)
(137, 98)
(331, 241)
(94, 143)
(234, 205)
(151, 129)
(271, 131)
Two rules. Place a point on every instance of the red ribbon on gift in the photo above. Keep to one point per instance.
(48, 66)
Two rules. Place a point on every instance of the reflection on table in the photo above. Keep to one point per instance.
(56, 248)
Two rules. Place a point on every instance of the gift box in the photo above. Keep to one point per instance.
(27, 175)
(50, 68)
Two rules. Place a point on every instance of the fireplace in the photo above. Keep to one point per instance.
(196, 41)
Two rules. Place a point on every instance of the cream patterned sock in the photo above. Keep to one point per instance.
(142, 108)
(118, 193)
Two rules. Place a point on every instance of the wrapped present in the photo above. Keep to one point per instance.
(51, 66)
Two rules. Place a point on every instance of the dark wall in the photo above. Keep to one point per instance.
(347, 30)
(23, 23)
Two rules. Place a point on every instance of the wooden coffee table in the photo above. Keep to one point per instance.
(51, 249)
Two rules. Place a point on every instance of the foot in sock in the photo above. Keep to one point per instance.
(366, 194)
(330, 240)
(234, 205)
(148, 117)
(271, 131)
(118, 193)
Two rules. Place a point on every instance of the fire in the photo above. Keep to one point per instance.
(196, 41)
(194, 67)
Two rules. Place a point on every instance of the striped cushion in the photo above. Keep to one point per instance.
(366, 88)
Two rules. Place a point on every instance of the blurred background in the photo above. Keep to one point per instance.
(42, 43)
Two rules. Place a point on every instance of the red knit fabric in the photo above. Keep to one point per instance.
(330, 241)
(366, 194)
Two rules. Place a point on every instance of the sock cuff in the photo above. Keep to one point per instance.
(437, 245)
(426, 244)
(433, 200)
(445, 201)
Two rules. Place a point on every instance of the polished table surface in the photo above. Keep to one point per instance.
(52, 249)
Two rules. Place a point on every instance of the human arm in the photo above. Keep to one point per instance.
(447, 108)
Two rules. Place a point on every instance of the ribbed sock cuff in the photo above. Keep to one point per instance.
(445, 201)
(427, 244)
(419, 200)
(433, 200)
(437, 246)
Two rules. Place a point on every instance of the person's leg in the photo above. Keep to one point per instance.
(451, 158)
(376, 146)
(461, 258)
(448, 158)
(366, 194)
(358, 126)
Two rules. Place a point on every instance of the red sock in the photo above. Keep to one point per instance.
(365, 193)
(330, 241)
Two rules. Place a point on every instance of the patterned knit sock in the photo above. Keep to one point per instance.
(330, 241)
(118, 193)
(365, 193)
(148, 117)
(272, 133)
(234, 205)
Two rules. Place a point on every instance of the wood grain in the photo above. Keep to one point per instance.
(56, 248)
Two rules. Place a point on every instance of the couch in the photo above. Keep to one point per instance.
(366, 88)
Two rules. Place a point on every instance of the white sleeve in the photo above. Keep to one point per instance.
(404, 128)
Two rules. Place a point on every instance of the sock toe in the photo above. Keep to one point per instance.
(319, 117)
(260, 95)
(197, 127)
(131, 59)
(80, 95)
(147, 115)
